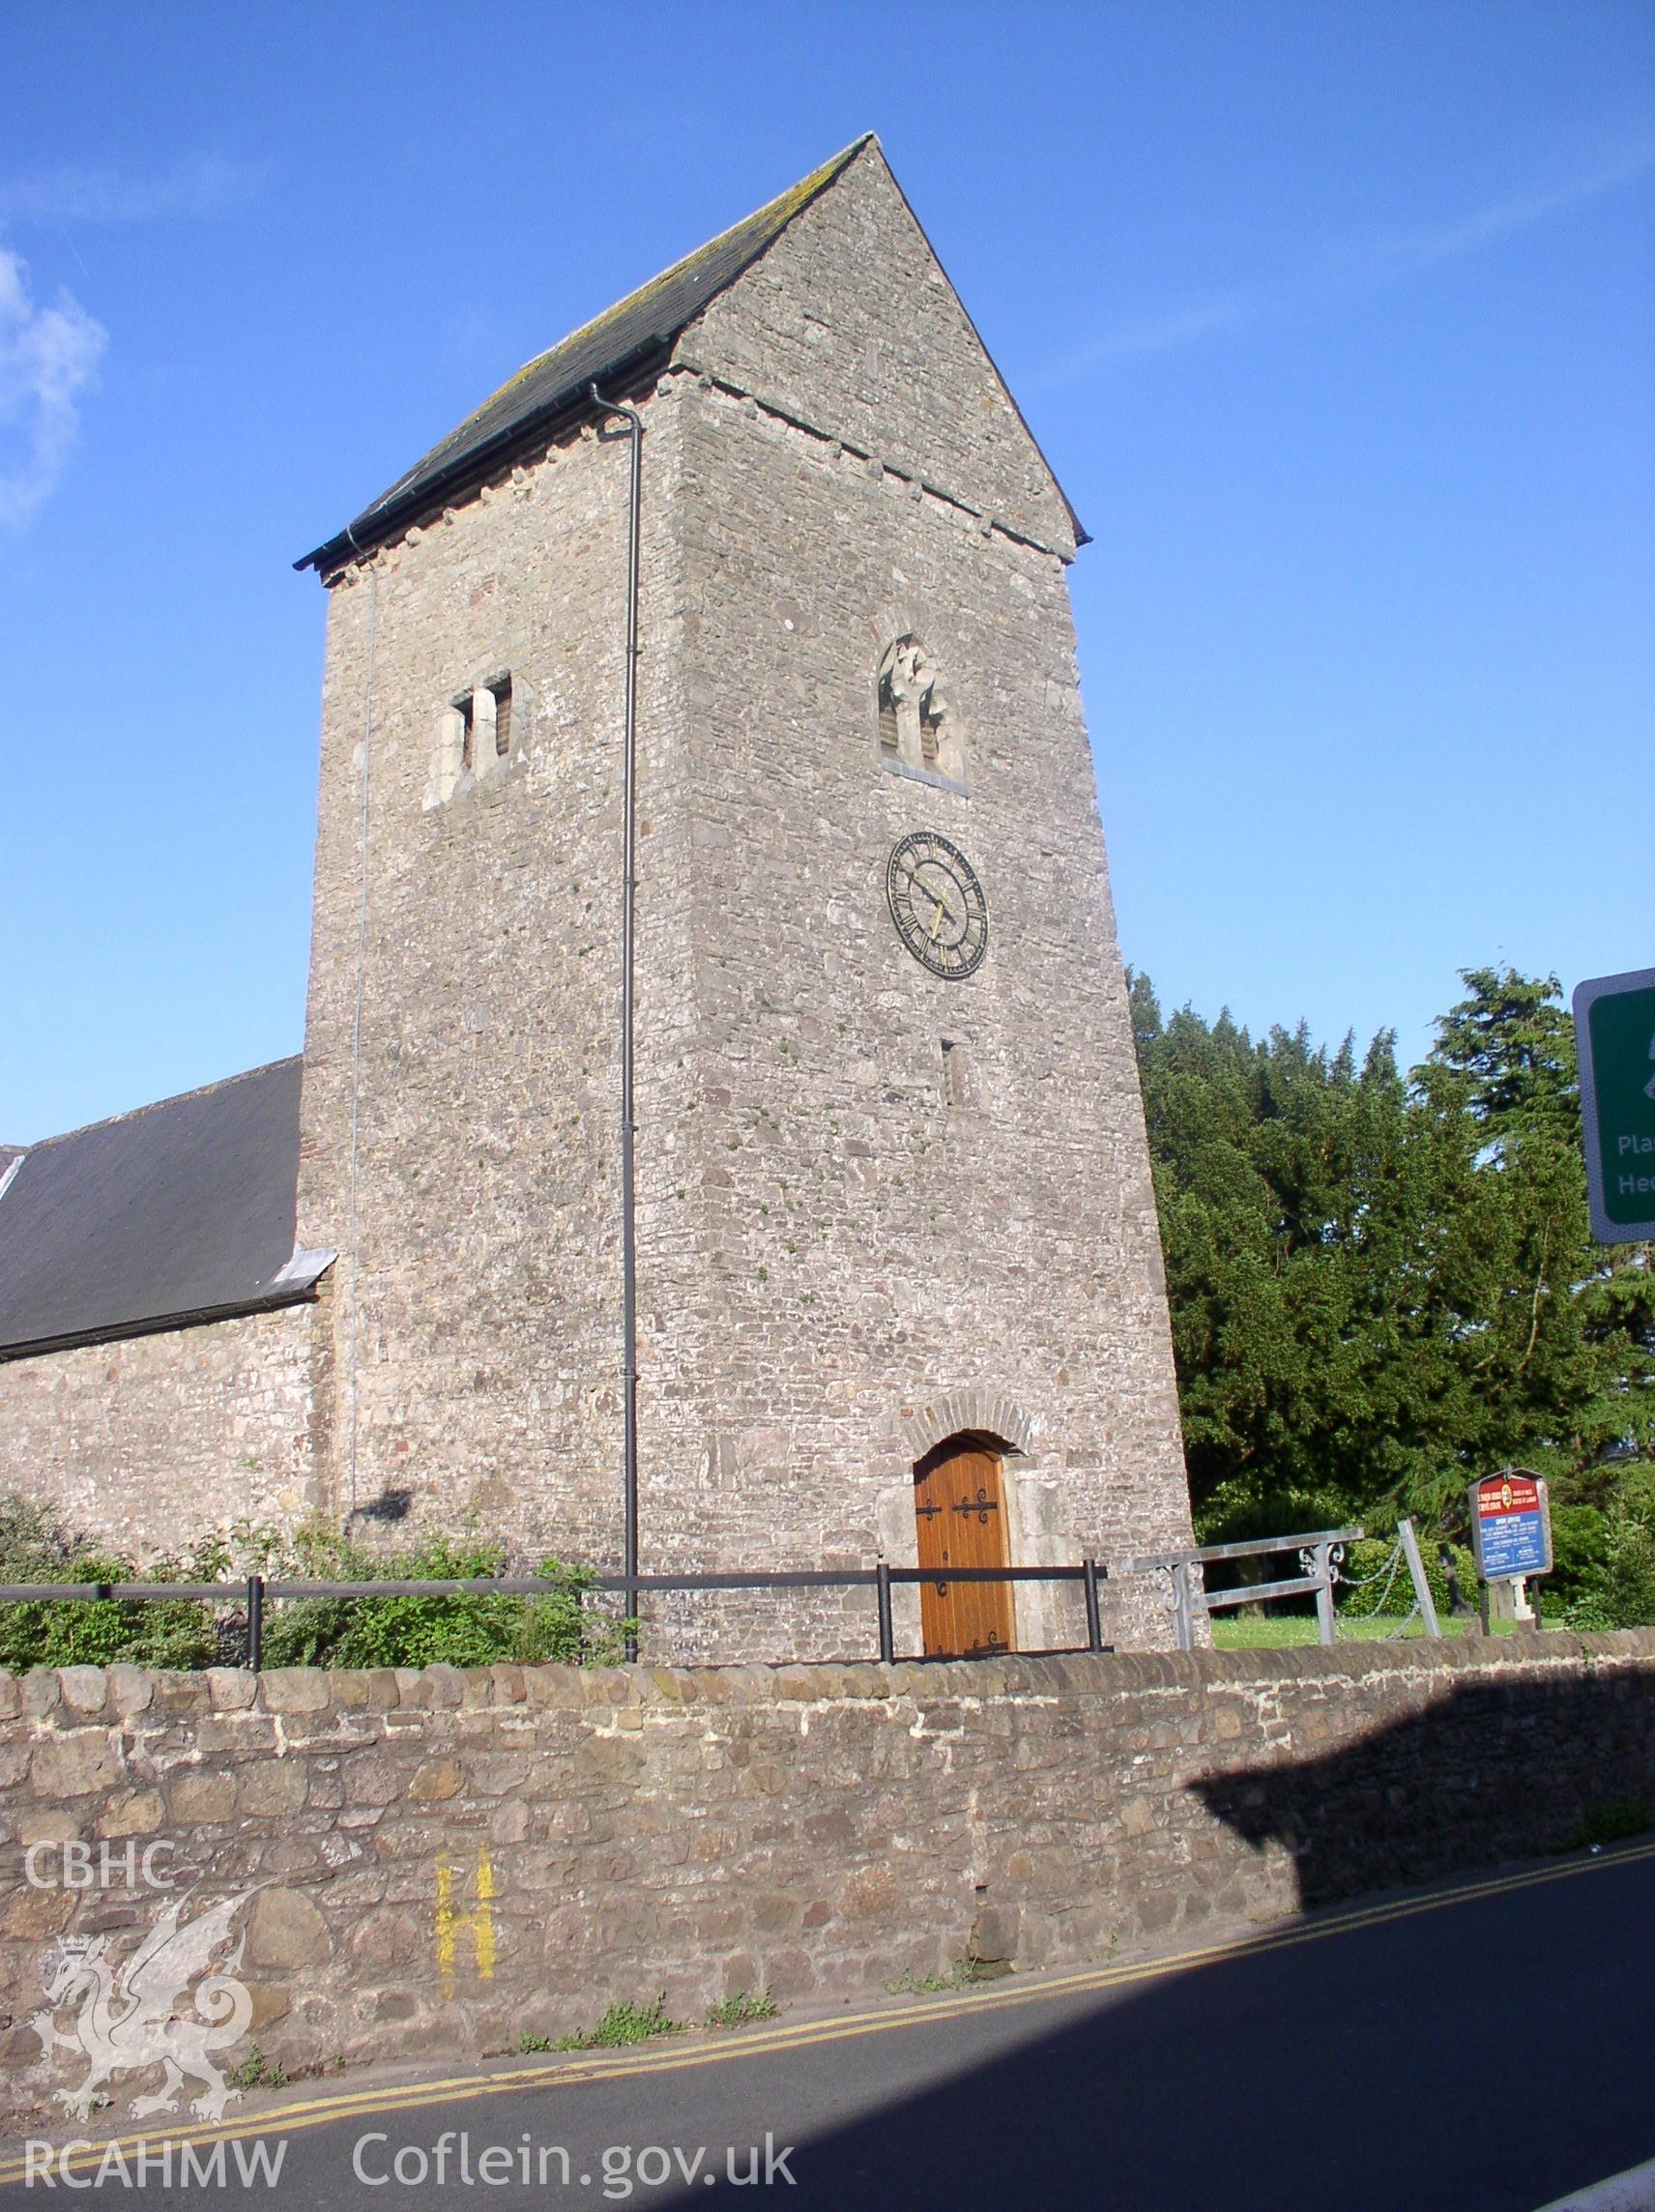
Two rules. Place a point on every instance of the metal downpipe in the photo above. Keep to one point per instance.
(628, 900)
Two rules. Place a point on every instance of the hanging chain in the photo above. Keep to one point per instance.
(1386, 1575)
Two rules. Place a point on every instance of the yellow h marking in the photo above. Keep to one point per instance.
(477, 1923)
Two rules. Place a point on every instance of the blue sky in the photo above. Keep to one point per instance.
(1338, 323)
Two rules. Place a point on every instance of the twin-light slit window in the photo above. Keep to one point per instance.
(473, 739)
(918, 730)
(485, 715)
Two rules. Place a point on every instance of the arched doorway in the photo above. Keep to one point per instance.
(959, 1510)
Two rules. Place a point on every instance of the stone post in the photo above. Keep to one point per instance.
(485, 757)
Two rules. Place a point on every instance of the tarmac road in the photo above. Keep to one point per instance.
(1482, 2048)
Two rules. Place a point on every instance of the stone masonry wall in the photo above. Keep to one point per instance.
(438, 1861)
(459, 1143)
(838, 1260)
(845, 1255)
(153, 1442)
(850, 322)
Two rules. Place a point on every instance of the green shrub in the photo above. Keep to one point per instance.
(1359, 1594)
(257, 2072)
(1620, 1592)
(470, 1629)
(1372, 1557)
(962, 1974)
(1437, 1574)
(35, 1547)
(1580, 1536)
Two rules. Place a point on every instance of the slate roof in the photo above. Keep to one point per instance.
(181, 1212)
(637, 331)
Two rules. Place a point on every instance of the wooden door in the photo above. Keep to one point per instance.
(960, 1510)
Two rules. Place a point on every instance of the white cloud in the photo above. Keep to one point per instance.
(1179, 327)
(1387, 256)
(1366, 262)
(48, 357)
(204, 187)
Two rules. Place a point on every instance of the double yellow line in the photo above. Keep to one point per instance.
(414, 2096)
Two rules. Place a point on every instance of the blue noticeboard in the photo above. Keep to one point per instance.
(1514, 1544)
(1511, 1525)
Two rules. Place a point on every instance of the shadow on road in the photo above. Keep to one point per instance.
(1367, 2072)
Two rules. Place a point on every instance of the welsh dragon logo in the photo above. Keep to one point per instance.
(130, 2017)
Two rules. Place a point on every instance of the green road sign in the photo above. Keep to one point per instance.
(1615, 1028)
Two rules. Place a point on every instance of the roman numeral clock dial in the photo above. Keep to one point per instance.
(938, 905)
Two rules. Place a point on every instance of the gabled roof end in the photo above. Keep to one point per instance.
(554, 388)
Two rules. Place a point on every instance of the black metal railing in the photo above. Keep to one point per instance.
(255, 1593)
(1188, 1598)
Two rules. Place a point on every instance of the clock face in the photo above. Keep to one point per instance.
(938, 903)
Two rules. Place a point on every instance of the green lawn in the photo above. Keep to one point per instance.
(1231, 1634)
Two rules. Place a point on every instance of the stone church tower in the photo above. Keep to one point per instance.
(893, 1208)
(896, 1279)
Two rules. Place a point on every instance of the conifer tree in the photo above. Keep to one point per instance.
(1382, 1286)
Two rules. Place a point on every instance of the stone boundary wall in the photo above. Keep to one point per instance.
(440, 1860)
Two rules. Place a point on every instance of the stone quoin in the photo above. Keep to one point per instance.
(894, 1218)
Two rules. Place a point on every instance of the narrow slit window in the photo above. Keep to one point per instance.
(930, 727)
(960, 1086)
(474, 736)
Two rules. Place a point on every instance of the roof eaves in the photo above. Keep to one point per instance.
(301, 1292)
(417, 492)
(567, 405)
(180, 1210)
